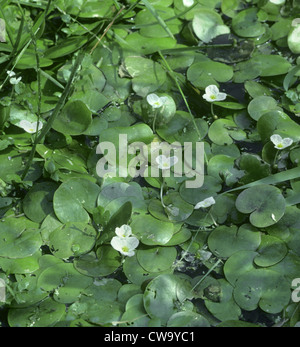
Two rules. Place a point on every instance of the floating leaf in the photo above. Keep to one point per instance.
(265, 205)
(225, 241)
(74, 119)
(208, 24)
(262, 288)
(75, 199)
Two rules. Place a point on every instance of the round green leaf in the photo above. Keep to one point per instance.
(225, 241)
(72, 239)
(45, 314)
(271, 65)
(210, 187)
(246, 24)
(287, 229)
(151, 231)
(208, 24)
(144, 84)
(74, 199)
(20, 238)
(238, 264)
(160, 297)
(187, 319)
(157, 259)
(262, 288)
(260, 105)
(225, 131)
(65, 280)
(264, 203)
(136, 274)
(74, 119)
(271, 251)
(204, 73)
(37, 203)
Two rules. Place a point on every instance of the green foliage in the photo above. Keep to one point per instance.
(82, 71)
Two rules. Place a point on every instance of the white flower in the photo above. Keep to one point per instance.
(15, 80)
(124, 231)
(188, 3)
(29, 127)
(277, 2)
(212, 94)
(155, 101)
(11, 73)
(281, 143)
(205, 203)
(295, 22)
(165, 163)
(125, 245)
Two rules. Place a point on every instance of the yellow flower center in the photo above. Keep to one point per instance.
(125, 249)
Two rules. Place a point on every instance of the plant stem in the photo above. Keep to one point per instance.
(107, 29)
(162, 189)
(275, 158)
(208, 272)
(55, 113)
(212, 110)
(181, 92)
(184, 98)
(154, 121)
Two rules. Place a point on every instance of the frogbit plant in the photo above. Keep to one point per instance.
(205, 203)
(281, 143)
(124, 236)
(124, 242)
(188, 3)
(165, 163)
(12, 78)
(31, 127)
(156, 103)
(213, 94)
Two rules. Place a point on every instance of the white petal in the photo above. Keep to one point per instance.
(154, 100)
(207, 98)
(287, 142)
(221, 96)
(164, 99)
(277, 2)
(116, 243)
(161, 159)
(276, 139)
(173, 160)
(188, 3)
(124, 231)
(199, 205)
(205, 203)
(11, 73)
(130, 253)
(132, 242)
(15, 80)
(212, 90)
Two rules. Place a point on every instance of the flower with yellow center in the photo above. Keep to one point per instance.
(165, 163)
(31, 127)
(281, 143)
(155, 101)
(125, 245)
(213, 94)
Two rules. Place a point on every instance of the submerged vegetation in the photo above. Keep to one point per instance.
(81, 249)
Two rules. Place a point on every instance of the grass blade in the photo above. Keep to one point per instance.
(274, 179)
(158, 18)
